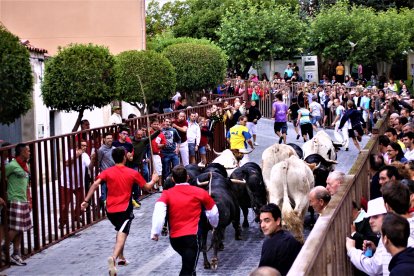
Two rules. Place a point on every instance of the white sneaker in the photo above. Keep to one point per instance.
(201, 164)
(256, 144)
(17, 260)
(111, 266)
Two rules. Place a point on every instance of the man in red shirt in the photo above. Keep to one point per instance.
(119, 179)
(184, 203)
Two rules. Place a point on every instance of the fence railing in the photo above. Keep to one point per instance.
(49, 174)
(324, 252)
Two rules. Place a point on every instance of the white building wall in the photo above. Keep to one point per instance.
(278, 66)
(64, 121)
(41, 112)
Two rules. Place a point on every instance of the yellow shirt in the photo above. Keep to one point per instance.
(238, 136)
(340, 70)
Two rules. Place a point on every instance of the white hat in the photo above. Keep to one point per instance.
(376, 207)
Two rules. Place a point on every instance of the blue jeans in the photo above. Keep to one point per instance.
(136, 190)
(145, 172)
(104, 191)
(167, 160)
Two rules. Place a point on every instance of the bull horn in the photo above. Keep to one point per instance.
(204, 183)
(237, 181)
(217, 153)
(333, 161)
(317, 166)
(245, 151)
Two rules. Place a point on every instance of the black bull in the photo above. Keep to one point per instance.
(323, 168)
(229, 212)
(320, 173)
(250, 190)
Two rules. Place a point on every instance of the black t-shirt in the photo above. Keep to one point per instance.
(294, 108)
(127, 146)
(280, 251)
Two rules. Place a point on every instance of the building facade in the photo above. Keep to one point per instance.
(49, 24)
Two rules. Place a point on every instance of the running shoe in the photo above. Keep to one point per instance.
(17, 260)
(256, 144)
(123, 262)
(136, 204)
(111, 266)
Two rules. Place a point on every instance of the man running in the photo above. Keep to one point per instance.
(280, 113)
(355, 117)
(184, 204)
(119, 180)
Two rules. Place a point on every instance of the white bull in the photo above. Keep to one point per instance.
(228, 160)
(321, 144)
(289, 186)
(272, 155)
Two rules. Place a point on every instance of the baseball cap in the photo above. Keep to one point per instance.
(376, 207)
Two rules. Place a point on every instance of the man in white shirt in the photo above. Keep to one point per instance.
(407, 139)
(316, 111)
(73, 183)
(339, 112)
(116, 116)
(193, 137)
(378, 263)
(364, 104)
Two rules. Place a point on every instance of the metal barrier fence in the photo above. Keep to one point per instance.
(289, 90)
(48, 174)
(324, 252)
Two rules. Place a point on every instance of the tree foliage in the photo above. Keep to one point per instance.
(194, 18)
(160, 42)
(15, 77)
(160, 19)
(155, 72)
(265, 32)
(312, 7)
(78, 78)
(198, 66)
(379, 36)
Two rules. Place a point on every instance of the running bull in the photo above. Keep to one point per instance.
(249, 188)
(219, 188)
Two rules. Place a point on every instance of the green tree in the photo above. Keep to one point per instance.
(78, 78)
(150, 68)
(198, 66)
(204, 17)
(406, 17)
(394, 38)
(266, 32)
(15, 77)
(360, 34)
(330, 32)
(160, 19)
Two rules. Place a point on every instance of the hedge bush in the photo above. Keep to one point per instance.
(198, 66)
(156, 72)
